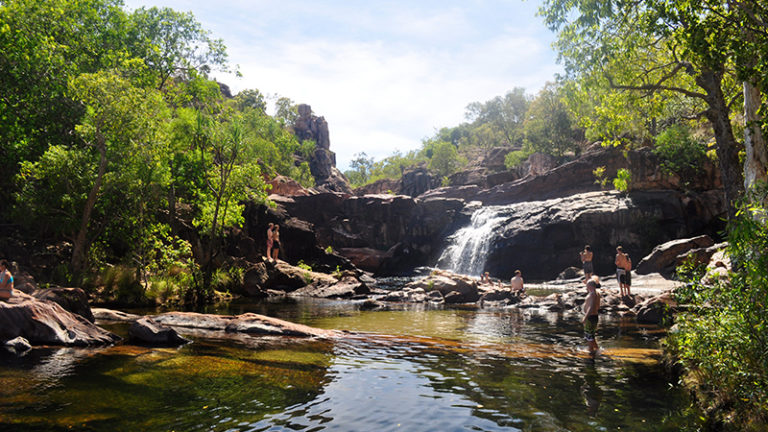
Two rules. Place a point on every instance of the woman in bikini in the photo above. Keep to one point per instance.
(6, 281)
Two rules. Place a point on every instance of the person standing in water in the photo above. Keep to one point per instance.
(275, 242)
(6, 281)
(586, 262)
(269, 241)
(591, 312)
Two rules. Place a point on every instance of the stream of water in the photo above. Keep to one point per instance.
(468, 248)
(414, 369)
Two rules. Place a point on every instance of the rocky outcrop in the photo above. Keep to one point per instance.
(542, 237)
(145, 331)
(665, 257)
(47, 323)
(286, 186)
(453, 288)
(322, 164)
(657, 309)
(346, 288)
(577, 177)
(265, 277)
(413, 182)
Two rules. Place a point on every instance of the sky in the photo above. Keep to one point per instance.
(385, 74)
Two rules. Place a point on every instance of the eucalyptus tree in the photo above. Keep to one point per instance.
(549, 126)
(502, 116)
(647, 49)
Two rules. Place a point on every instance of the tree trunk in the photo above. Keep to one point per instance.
(80, 246)
(756, 161)
(727, 148)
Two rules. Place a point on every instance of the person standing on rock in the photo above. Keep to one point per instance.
(586, 262)
(275, 242)
(517, 283)
(6, 281)
(591, 313)
(623, 271)
(269, 241)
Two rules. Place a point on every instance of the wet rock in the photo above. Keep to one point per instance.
(665, 257)
(373, 305)
(72, 299)
(47, 323)
(18, 345)
(263, 325)
(145, 331)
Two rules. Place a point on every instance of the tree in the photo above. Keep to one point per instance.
(548, 126)
(174, 44)
(361, 169)
(503, 115)
(445, 159)
(650, 48)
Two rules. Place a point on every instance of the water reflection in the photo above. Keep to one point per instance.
(415, 369)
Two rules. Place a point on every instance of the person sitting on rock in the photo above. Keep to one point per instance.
(517, 283)
(6, 281)
(623, 271)
(485, 278)
(586, 262)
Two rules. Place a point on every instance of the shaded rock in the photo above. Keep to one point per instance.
(47, 323)
(146, 331)
(665, 257)
(72, 299)
(656, 310)
(373, 305)
(18, 345)
(497, 294)
(571, 273)
(22, 280)
(380, 187)
(415, 182)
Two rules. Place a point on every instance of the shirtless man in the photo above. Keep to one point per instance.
(269, 241)
(591, 311)
(586, 262)
(6, 281)
(623, 271)
(517, 283)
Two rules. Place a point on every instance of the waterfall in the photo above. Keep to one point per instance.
(469, 246)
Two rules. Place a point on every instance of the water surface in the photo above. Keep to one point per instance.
(414, 369)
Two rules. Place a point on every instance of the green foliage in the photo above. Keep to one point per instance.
(361, 169)
(329, 249)
(680, 153)
(499, 121)
(721, 342)
(600, 177)
(445, 159)
(515, 158)
(548, 126)
(623, 180)
(307, 275)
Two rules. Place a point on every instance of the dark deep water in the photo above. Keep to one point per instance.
(415, 369)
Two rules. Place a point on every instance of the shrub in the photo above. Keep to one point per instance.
(721, 344)
(600, 177)
(515, 158)
(622, 180)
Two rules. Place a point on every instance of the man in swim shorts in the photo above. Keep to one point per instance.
(517, 283)
(586, 262)
(591, 311)
(6, 281)
(623, 271)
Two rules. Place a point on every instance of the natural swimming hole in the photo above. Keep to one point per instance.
(410, 369)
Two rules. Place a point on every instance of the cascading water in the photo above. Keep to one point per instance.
(469, 245)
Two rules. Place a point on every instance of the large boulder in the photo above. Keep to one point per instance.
(287, 186)
(47, 323)
(263, 277)
(553, 231)
(454, 288)
(246, 323)
(656, 310)
(347, 287)
(145, 331)
(72, 299)
(665, 257)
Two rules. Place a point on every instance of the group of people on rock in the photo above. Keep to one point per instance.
(516, 283)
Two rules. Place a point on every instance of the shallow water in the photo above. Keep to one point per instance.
(414, 369)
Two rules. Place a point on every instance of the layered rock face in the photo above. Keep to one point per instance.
(380, 233)
(543, 237)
